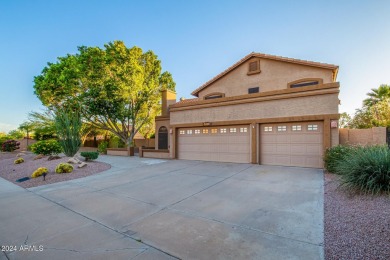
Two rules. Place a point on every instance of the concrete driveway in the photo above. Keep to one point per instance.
(155, 209)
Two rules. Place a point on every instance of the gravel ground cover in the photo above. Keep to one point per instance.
(13, 172)
(356, 226)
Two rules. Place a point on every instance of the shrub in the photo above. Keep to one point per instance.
(64, 168)
(90, 155)
(68, 126)
(19, 160)
(336, 154)
(46, 147)
(39, 172)
(366, 169)
(10, 146)
(102, 147)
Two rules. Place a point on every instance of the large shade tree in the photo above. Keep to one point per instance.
(116, 88)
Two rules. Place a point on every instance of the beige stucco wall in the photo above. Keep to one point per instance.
(300, 106)
(274, 75)
(158, 155)
(334, 137)
(371, 136)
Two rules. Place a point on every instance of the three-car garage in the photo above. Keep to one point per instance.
(286, 144)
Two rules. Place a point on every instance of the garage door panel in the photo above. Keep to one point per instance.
(300, 145)
(223, 146)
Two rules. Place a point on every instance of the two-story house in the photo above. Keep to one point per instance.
(263, 109)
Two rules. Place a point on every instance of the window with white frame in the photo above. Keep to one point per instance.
(223, 130)
(182, 132)
(312, 127)
(267, 128)
(282, 128)
(189, 132)
(214, 130)
(233, 130)
(243, 129)
(205, 131)
(296, 127)
(197, 131)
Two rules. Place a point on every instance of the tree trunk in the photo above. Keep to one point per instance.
(130, 148)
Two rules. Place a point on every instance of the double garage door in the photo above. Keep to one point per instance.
(287, 144)
(219, 144)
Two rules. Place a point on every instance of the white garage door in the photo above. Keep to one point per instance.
(292, 144)
(220, 144)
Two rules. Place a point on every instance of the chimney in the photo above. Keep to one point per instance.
(168, 97)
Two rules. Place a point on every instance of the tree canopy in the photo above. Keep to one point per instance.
(115, 88)
(376, 95)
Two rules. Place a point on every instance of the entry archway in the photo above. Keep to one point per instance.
(163, 138)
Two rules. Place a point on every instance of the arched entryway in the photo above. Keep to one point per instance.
(163, 138)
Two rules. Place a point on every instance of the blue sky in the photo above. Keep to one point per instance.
(194, 39)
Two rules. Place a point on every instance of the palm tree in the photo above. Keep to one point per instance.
(376, 95)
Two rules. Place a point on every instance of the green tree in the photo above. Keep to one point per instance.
(26, 127)
(15, 134)
(376, 95)
(43, 124)
(377, 114)
(116, 88)
(344, 120)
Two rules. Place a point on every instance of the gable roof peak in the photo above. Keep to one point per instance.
(270, 57)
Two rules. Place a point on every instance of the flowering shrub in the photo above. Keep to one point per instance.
(64, 168)
(39, 172)
(46, 147)
(10, 146)
(19, 160)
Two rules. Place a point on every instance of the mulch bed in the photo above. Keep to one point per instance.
(13, 172)
(356, 226)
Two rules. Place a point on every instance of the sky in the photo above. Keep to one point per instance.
(194, 39)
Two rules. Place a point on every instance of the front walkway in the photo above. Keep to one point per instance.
(155, 209)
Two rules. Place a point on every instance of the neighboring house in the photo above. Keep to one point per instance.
(264, 109)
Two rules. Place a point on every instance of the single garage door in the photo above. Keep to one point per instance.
(292, 144)
(219, 144)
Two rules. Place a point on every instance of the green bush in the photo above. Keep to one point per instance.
(366, 169)
(90, 155)
(336, 154)
(102, 147)
(68, 126)
(46, 147)
(64, 168)
(19, 160)
(39, 172)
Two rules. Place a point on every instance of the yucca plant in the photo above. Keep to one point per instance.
(68, 126)
(366, 169)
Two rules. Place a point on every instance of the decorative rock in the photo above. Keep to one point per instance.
(20, 154)
(82, 164)
(53, 157)
(40, 156)
(73, 160)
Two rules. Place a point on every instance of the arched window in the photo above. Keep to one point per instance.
(163, 138)
(305, 82)
(214, 95)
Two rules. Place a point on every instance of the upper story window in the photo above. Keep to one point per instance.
(305, 82)
(253, 90)
(214, 95)
(253, 66)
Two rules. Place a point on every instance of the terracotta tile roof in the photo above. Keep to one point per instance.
(266, 56)
(190, 100)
